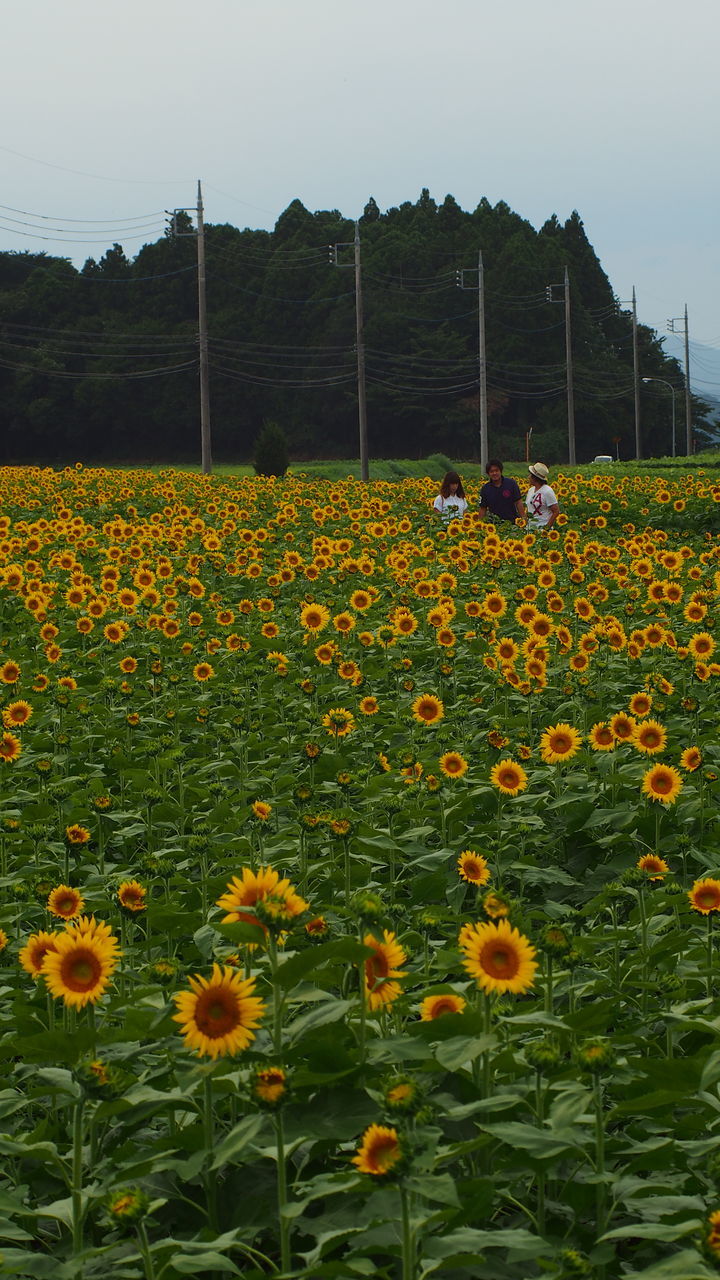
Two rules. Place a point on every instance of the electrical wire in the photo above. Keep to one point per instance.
(115, 377)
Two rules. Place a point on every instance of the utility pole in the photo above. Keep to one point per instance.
(688, 394)
(569, 369)
(636, 377)
(359, 343)
(205, 440)
(482, 357)
(482, 354)
(199, 233)
(360, 346)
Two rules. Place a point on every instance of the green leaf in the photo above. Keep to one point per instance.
(438, 1187)
(460, 1050)
(237, 1140)
(304, 963)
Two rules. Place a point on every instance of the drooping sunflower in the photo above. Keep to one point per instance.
(65, 902)
(427, 709)
(649, 737)
(662, 783)
(81, 963)
(499, 957)
(218, 1015)
(32, 955)
(339, 722)
(382, 969)
(254, 887)
(380, 1150)
(705, 895)
(473, 867)
(559, 743)
(453, 765)
(509, 778)
(433, 1007)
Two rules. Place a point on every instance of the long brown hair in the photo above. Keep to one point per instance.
(452, 477)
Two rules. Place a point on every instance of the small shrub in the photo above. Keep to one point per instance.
(271, 451)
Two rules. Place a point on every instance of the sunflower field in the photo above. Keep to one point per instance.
(359, 880)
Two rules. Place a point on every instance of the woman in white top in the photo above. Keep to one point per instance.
(451, 503)
(541, 500)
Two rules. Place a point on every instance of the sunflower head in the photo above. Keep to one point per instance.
(595, 1055)
(269, 1087)
(380, 1153)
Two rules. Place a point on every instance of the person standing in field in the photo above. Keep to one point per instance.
(541, 500)
(501, 495)
(451, 503)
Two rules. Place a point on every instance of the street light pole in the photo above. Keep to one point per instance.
(672, 392)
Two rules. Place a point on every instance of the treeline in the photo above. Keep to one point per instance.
(101, 364)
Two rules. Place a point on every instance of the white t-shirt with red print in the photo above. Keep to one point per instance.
(538, 503)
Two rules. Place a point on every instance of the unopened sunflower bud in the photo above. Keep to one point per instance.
(596, 1055)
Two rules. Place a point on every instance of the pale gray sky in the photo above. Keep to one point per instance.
(609, 109)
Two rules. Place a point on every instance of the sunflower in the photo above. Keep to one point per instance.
(65, 902)
(701, 645)
(662, 783)
(369, 706)
(427, 709)
(32, 956)
(623, 726)
(75, 834)
(640, 704)
(339, 722)
(269, 1085)
(379, 1152)
(314, 617)
(649, 737)
(655, 867)
(559, 743)
(203, 671)
(453, 765)
(10, 748)
(691, 759)
(498, 957)
(131, 896)
(10, 673)
(705, 895)
(434, 1007)
(218, 1014)
(16, 714)
(473, 867)
(601, 737)
(382, 969)
(81, 963)
(261, 809)
(509, 778)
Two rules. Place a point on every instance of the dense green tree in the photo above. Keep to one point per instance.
(102, 363)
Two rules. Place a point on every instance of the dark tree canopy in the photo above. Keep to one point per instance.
(102, 364)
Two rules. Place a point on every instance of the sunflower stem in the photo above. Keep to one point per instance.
(144, 1244)
(549, 986)
(408, 1239)
(284, 1222)
(210, 1173)
(77, 1179)
(709, 955)
(541, 1176)
(600, 1210)
(487, 1060)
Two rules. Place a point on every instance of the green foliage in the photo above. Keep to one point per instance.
(271, 451)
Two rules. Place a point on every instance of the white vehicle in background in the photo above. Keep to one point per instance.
(603, 457)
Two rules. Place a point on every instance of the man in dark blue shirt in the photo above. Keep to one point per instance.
(501, 495)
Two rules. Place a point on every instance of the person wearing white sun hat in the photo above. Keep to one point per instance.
(541, 500)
